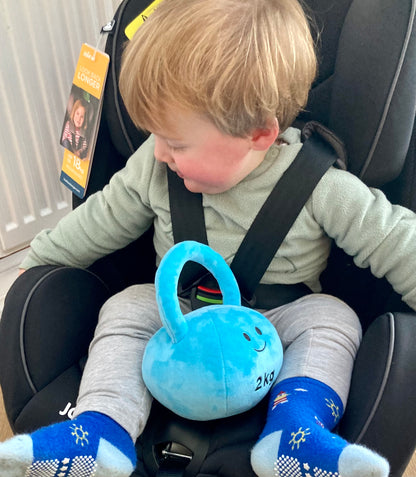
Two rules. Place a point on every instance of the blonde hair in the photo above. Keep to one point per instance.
(241, 63)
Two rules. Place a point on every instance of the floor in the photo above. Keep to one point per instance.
(8, 273)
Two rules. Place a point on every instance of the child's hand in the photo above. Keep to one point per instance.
(21, 271)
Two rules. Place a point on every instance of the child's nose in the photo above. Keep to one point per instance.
(161, 152)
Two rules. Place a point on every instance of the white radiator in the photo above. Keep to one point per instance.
(39, 45)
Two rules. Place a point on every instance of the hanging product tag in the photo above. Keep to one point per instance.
(80, 127)
(132, 27)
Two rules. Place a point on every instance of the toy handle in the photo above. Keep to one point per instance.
(167, 277)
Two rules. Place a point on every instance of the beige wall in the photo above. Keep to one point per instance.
(39, 46)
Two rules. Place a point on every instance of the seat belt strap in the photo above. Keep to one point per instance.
(279, 212)
(188, 223)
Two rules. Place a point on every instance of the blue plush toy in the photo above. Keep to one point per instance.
(216, 361)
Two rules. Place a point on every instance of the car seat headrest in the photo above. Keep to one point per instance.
(374, 88)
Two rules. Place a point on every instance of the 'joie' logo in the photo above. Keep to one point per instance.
(68, 411)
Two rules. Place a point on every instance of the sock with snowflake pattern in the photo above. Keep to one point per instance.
(297, 439)
(90, 445)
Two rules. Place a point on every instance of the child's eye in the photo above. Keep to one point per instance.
(178, 148)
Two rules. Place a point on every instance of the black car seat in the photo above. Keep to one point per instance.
(366, 94)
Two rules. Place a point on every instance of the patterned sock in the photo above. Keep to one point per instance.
(297, 442)
(90, 445)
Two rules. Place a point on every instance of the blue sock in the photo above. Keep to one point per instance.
(297, 439)
(90, 445)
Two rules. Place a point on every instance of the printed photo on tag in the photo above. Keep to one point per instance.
(80, 118)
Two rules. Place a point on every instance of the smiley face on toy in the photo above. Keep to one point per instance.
(248, 338)
(216, 361)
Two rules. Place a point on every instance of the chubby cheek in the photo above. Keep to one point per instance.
(219, 164)
(207, 178)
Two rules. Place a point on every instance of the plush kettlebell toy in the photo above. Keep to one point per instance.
(215, 361)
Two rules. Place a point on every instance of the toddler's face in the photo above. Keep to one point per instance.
(79, 116)
(208, 160)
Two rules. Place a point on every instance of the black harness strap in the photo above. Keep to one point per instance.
(279, 212)
(188, 221)
(268, 229)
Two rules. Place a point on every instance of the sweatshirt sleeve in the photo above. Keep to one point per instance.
(368, 227)
(107, 221)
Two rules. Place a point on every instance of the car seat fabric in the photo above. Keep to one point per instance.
(375, 42)
(377, 45)
(44, 338)
(379, 420)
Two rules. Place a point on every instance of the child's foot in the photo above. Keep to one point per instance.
(90, 445)
(297, 439)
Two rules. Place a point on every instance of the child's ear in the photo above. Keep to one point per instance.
(263, 138)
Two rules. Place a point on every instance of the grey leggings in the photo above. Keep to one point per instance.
(320, 335)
